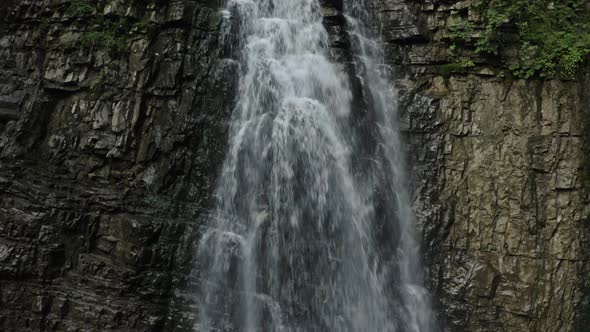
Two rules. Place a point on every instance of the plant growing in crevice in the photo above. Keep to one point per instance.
(108, 32)
(459, 33)
(553, 35)
(462, 65)
(110, 37)
(80, 8)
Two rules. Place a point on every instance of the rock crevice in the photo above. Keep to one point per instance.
(111, 141)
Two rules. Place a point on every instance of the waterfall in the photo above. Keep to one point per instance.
(411, 293)
(299, 237)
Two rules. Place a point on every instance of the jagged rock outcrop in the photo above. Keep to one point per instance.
(107, 160)
(498, 163)
(503, 207)
(110, 144)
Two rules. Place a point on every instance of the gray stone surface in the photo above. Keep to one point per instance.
(108, 163)
(498, 166)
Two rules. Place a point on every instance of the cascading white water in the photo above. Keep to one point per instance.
(293, 244)
(413, 296)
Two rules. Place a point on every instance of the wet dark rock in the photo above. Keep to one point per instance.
(497, 164)
(108, 164)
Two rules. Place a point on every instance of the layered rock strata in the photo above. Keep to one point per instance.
(110, 144)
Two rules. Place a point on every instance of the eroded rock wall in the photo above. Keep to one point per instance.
(498, 166)
(108, 160)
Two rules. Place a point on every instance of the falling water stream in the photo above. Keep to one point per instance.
(304, 236)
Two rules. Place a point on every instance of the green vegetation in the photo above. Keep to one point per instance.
(80, 8)
(461, 66)
(466, 63)
(108, 33)
(554, 36)
(110, 37)
(460, 33)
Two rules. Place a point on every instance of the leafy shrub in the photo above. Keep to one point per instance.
(554, 34)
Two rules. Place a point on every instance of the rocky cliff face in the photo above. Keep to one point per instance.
(110, 143)
(499, 177)
(108, 159)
